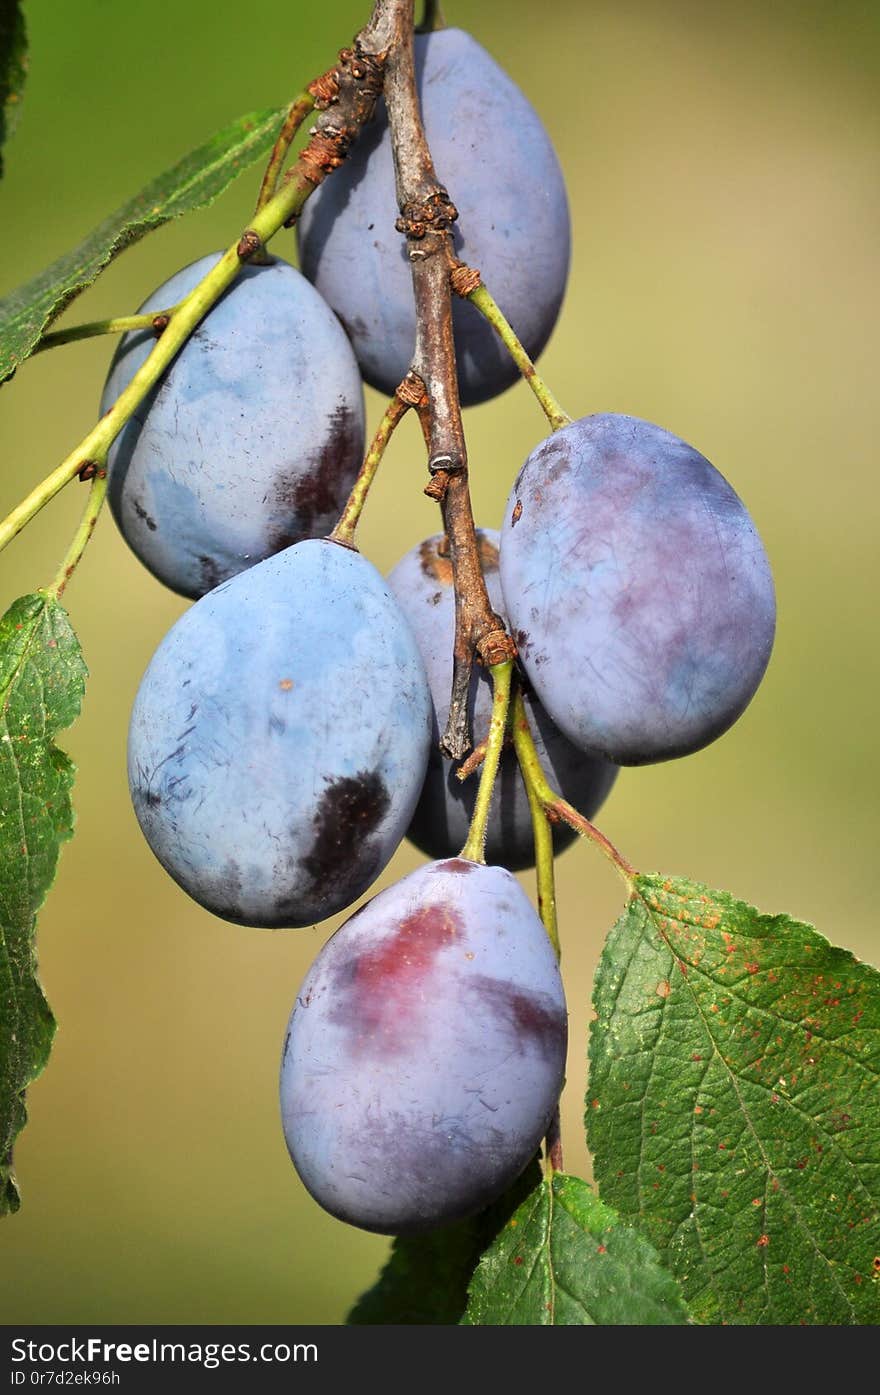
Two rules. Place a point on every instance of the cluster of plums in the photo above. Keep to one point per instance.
(284, 737)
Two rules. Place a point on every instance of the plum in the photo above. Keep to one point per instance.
(250, 440)
(422, 583)
(638, 591)
(496, 159)
(425, 1052)
(279, 738)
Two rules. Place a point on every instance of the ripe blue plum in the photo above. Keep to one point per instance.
(422, 583)
(496, 159)
(279, 738)
(638, 590)
(425, 1052)
(251, 439)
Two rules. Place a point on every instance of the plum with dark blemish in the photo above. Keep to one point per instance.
(422, 583)
(494, 154)
(250, 440)
(425, 1053)
(279, 738)
(638, 588)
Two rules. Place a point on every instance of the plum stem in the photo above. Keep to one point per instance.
(95, 445)
(554, 806)
(157, 320)
(432, 18)
(358, 75)
(553, 1146)
(489, 309)
(426, 218)
(296, 115)
(545, 874)
(345, 529)
(79, 542)
(474, 848)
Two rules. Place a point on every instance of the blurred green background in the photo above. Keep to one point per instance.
(722, 166)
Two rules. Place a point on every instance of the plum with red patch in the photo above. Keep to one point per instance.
(638, 589)
(425, 1052)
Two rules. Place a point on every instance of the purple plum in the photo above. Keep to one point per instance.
(425, 1052)
(638, 591)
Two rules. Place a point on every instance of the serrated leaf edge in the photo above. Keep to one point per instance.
(650, 912)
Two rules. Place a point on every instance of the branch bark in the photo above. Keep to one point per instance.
(345, 97)
(426, 217)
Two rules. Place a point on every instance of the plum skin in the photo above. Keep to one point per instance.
(252, 437)
(279, 738)
(638, 590)
(425, 1052)
(422, 583)
(493, 154)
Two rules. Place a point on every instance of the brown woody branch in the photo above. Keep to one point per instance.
(346, 97)
(296, 115)
(426, 217)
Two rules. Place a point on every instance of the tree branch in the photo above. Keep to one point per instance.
(426, 216)
(348, 92)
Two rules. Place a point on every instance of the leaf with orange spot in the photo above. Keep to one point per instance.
(425, 1280)
(567, 1260)
(755, 1081)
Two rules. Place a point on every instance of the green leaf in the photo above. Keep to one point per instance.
(42, 679)
(565, 1260)
(426, 1278)
(13, 68)
(193, 183)
(734, 1108)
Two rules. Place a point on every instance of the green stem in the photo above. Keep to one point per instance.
(350, 517)
(545, 874)
(474, 848)
(488, 308)
(284, 205)
(121, 325)
(296, 115)
(554, 806)
(79, 542)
